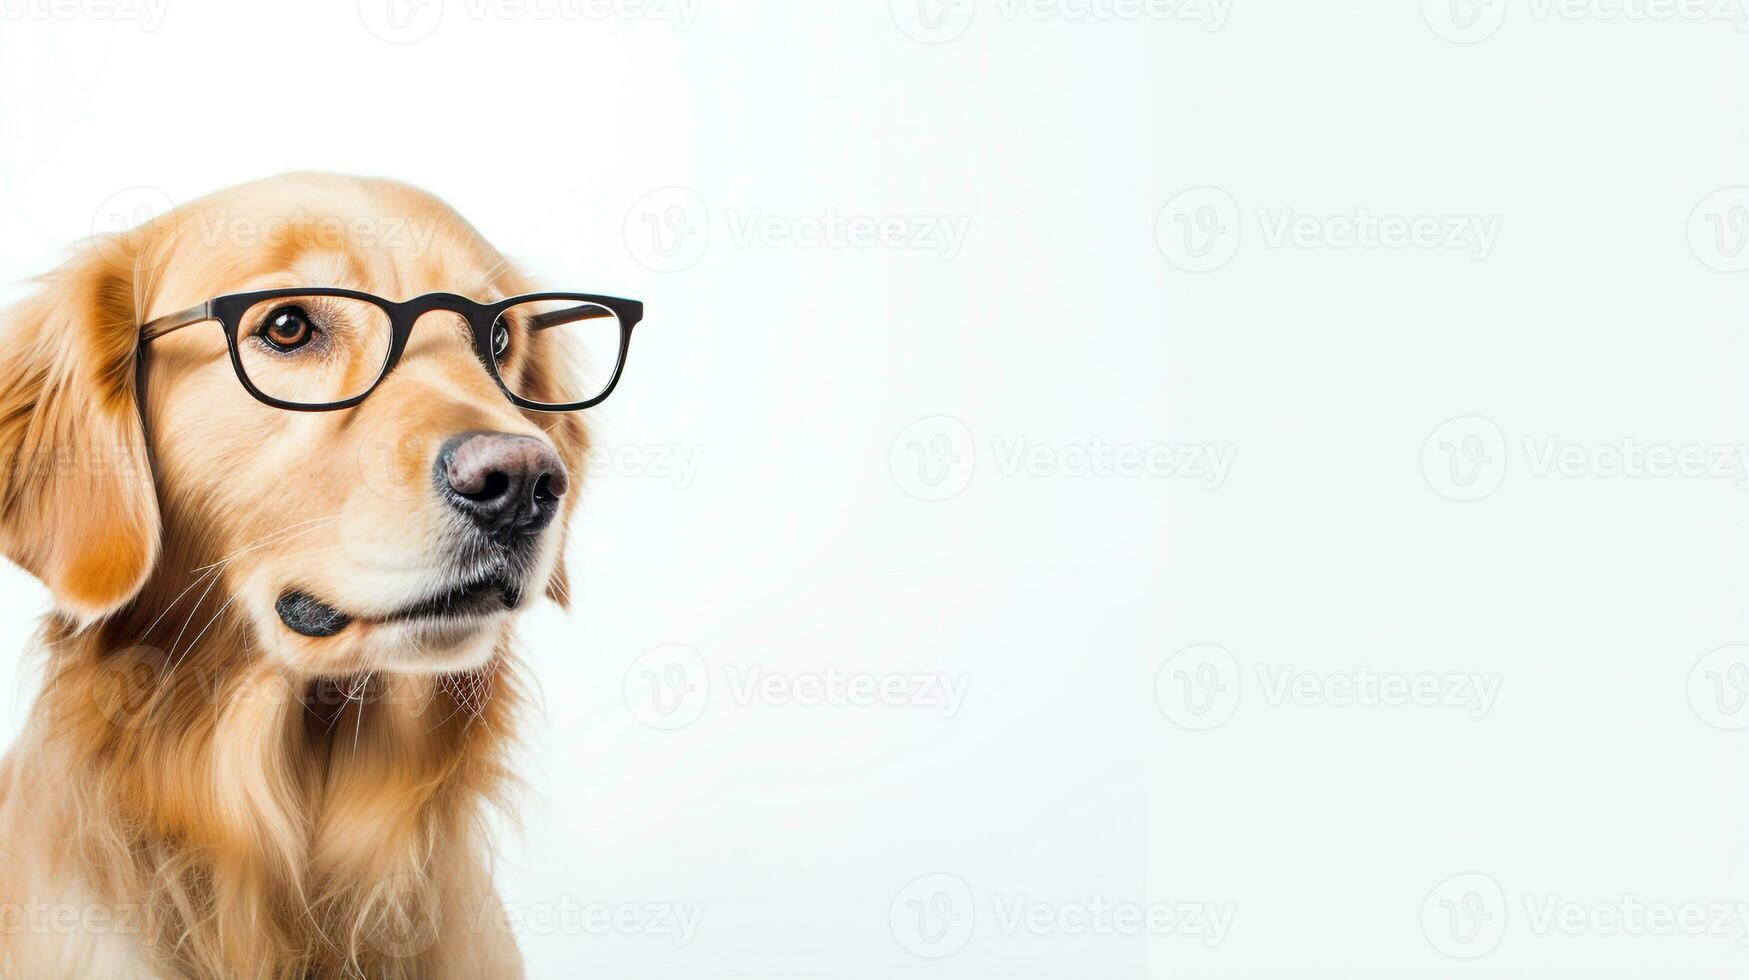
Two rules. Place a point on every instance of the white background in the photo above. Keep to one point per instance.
(826, 390)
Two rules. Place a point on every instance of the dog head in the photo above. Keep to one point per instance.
(400, 534)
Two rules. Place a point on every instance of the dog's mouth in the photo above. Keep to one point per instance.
(496, 592)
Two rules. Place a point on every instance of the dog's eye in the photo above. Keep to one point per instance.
(287, 328)
(500, 339)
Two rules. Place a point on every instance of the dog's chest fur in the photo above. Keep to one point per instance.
(218, 821)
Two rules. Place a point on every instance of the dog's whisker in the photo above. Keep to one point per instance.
(164, 688)
(210, 570)
(358, 720)
(279, 536)
(196, 641)
(492, 275)
(334, 722)
(473, 699)
(455, 698)
(204, 572)
(190, 618)
(558, 584)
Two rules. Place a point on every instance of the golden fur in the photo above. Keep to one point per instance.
(200, 792)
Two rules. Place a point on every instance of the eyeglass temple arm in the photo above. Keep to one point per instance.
(558, 318)
(176, 321)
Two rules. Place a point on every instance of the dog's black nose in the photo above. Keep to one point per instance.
(507, 484)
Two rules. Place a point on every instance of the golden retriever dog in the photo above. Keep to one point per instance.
(278, 678)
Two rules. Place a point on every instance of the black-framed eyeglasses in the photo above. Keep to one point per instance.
(319, 349)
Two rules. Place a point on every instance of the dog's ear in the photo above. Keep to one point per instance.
(77, 504)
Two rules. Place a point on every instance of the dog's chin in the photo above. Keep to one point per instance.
(459, 627)
(434, 646)
(412, 646)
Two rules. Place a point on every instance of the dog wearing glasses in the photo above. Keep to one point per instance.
(288, 492)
